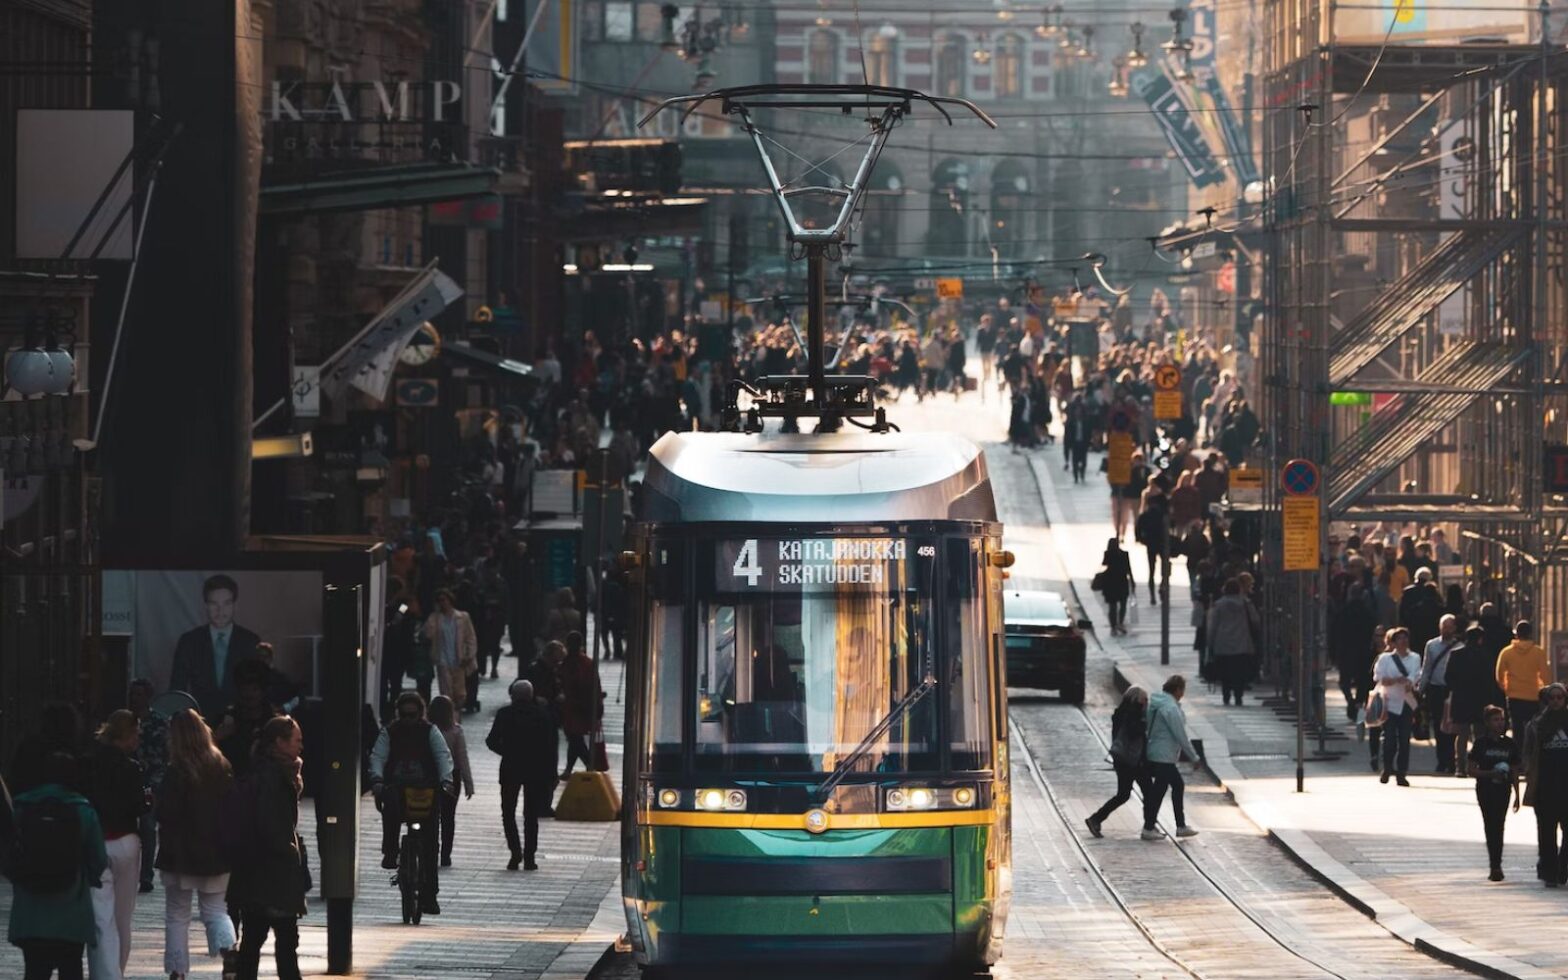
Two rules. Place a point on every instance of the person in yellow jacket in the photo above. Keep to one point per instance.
(1521, 672)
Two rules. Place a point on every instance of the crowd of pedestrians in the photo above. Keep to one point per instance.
(74, 844)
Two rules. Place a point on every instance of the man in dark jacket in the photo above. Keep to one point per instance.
(524, 736)
(205, 657)
(1420, 609)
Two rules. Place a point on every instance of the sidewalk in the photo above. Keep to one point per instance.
(553, 923)
(1413, 859)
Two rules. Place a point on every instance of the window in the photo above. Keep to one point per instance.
(879, 212)
(968, 680)
(882, 57)
(618, 21)
(822, 59)
(665, 629)
(1009, 70)
(952, 62)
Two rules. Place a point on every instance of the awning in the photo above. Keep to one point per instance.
(379, 187)
(480, 356)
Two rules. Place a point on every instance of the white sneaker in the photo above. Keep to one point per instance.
(1151, 835)
(1186, 832)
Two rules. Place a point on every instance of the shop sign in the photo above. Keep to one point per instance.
(374, 122)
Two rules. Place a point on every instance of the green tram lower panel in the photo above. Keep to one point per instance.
(927, 884)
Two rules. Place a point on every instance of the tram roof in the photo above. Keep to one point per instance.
(697, 477)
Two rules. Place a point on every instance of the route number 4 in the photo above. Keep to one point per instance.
(746, 562)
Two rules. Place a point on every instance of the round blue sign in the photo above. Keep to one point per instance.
(1299, 478)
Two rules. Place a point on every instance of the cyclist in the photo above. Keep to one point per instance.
(411, 754)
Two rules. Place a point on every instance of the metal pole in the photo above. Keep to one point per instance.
(1165, 589)
(816, 312)
(1301, 700)
(340, 936)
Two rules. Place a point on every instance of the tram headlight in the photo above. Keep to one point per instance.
(721, 799)
(911, 798)
(903, 799)
(669, 798)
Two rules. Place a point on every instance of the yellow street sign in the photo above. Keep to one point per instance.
(950, 288)
(1300, 523)
(1118, 468)
(1167, 405)
(1242, 478)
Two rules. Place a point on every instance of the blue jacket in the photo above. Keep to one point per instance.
(1167, 728)
(68, 916)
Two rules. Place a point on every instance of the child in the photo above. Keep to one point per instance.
(1494, 762)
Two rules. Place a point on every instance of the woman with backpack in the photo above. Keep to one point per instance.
(269, 886)
(190, 854)
(443, 715)
(118, 791)
(57, 859)
(1127, 744)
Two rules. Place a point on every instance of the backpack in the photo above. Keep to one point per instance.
(237, 827)
(45, 856)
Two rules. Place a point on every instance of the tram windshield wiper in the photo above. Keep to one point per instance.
(842, 769)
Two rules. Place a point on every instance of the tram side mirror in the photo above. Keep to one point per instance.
(1001, 559)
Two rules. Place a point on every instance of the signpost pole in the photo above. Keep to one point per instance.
(1301, 525)
(1165, 589)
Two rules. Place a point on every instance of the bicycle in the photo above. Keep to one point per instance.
(418, 810)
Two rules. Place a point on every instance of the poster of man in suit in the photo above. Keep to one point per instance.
(206, 655)
(188, 630)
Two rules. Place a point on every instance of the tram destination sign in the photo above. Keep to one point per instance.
(810, 564)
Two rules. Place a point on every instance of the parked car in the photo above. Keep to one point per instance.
(1045, 643)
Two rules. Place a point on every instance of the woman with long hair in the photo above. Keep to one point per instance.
(1128, 736)
(443, 715)
(189, 854)
(269, 886)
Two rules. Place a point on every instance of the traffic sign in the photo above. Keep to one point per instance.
(1245, 486)
(1300, 523)
(1167, 377)
(1167, 405)
(1299, 478)
(1121, 420)
(950, 288)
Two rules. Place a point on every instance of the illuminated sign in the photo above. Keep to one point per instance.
(810, 564)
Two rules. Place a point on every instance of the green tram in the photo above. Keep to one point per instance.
(816, 733)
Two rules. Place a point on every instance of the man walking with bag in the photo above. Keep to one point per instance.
(1432, 683)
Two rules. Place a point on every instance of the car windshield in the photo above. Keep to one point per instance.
(803, 647)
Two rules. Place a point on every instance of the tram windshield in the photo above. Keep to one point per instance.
(803, 648)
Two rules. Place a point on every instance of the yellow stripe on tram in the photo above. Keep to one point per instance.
(797, 821)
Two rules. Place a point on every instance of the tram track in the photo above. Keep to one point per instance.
(1114, 894)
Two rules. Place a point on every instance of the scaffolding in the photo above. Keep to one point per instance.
(1414, 239)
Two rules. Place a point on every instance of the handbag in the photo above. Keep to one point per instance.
(1100, 580)
(1198, 615)
(1376, 715)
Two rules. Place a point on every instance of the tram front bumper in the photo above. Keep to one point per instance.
(842, 896)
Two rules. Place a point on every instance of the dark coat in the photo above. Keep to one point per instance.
(196, 674)
(584, 698)
(523, 735)
(188, 824)
(271, 877)
(1420, 608)
(116, 786)
(1471, 683)
(1118, 579)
